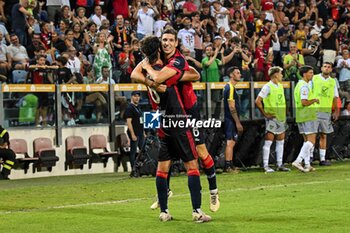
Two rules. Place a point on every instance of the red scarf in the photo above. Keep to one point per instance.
(124, 35)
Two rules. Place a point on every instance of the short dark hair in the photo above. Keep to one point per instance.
(104, 67)
(231, 69)
(304, 69)
(327, 63)
(150, 46)
(170, 31)
(63, 60)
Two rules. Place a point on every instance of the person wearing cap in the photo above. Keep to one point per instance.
(6, 154)
(134, 120)
(311, 50)
(274, 111)
(306, 118)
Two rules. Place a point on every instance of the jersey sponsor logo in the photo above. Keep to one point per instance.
(324, 91)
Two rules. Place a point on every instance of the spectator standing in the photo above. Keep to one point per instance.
(102, 51)
(300, 36)
(211, 73)
(121, 34)
(343, 67)
(312, 49)
(145, 15)
(291, 62)
(233, 126)
(274, 111)
(278, 13)
(197, 25)
(285, 35)
(134, 121)
(97, 18)
(221, 14)
(19, 21)
(329, 43)
(187, 35)
(54, 6)
(90, 38)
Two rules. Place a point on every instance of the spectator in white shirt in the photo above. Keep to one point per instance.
(186, 35)
(145, 15)
(343, 67)
(18, 57)
(97, 18)
(221, 14)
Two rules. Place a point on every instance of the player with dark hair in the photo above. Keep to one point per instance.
(175, 141)
(305, 117)
(233, 126)
(150, 47)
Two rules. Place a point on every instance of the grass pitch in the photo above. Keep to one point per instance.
(250, 202)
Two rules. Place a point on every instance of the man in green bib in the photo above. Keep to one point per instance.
(306, 118)
(272, 104)
(325, 89)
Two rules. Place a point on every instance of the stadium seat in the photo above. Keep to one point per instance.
(20, 147)
(98, 150)
(76, 152)
(122, 145)
(45, 152)
(19, 76)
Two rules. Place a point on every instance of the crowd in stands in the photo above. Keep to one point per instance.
(82, 37)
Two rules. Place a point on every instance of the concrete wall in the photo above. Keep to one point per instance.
(85, 132)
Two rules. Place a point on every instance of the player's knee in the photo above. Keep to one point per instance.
(193, 172)
(162, 174)
(208, 162)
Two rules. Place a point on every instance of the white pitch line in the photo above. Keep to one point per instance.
(177, 195)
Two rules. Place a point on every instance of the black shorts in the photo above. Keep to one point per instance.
(43, 99)
(178, 145)
(230, 130)
(198, 133)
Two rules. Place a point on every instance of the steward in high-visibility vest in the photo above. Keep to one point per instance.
(7, 155)
(274, 111)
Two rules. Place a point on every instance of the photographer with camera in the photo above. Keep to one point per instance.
(311, 50)
(292, 62)
(145, 15)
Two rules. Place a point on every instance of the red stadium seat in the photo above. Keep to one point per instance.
(98, 150)
(76, 152)
(20, 147)
(44, 150)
